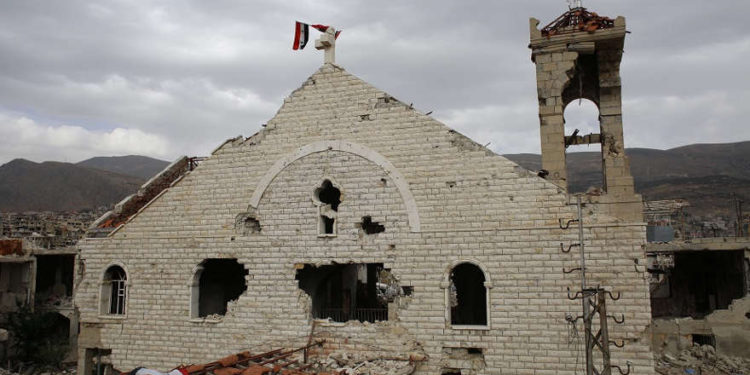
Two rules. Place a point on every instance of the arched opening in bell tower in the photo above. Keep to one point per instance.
(582, 160)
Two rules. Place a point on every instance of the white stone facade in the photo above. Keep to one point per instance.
(442, 199)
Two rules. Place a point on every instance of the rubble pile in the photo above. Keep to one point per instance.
(353, 364)
(702, 360)
(37, 370)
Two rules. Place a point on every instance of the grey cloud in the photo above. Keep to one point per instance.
(195, 73)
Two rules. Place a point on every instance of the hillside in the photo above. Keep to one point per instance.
(704, 174)
(131, 165)
(54, 186)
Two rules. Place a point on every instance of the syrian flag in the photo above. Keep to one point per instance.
(301, 35)
(324, 28)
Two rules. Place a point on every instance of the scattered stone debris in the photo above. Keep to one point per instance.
(33, 369)
(701, 360)
(388, 287)
(353, 364)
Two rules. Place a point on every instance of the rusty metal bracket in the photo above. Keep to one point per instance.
(571, 270)
(309, 339)
(620, 345)
(576, 296)
(567, 224)
(618, 321)
(620, 369)
(562, 248)
(612, 296)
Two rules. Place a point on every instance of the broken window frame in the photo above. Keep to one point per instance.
(195, 285)
(325, 210)
(446, 284)
(117, 287)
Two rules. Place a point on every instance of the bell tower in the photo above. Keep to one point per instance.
(578, 56)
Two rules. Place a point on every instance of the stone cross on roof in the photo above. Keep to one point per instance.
(327, 42)
(573, 4)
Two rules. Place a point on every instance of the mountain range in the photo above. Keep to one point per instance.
(707, 175)
(56, 186)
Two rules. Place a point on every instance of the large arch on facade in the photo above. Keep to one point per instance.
(352, 148)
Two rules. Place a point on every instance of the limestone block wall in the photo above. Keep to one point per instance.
(471, 205)
(553, 73)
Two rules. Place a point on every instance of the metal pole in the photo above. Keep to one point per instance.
(604, 337)
(580, 241)
(588, 334)
(589, 337)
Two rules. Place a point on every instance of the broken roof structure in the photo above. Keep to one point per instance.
(575, 20)
(355, 218)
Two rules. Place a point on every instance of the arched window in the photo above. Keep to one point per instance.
(327, 198)
(113, 294)
(467, 295)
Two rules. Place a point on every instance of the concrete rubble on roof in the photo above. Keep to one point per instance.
(133, 203)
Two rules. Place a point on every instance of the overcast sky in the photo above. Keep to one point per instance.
(81, 79)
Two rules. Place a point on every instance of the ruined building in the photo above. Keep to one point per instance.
(355, 219)
(699, 286)
(42, 279)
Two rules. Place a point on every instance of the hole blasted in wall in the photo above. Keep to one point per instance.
(328, 194)
(247, 223)
(216, 283)
(343, 292)
(327, 197)
(470, 359)
(371, 227)
(349, 292)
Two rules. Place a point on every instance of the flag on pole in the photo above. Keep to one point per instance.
(324, 28)
(321, 28)
(301, 35)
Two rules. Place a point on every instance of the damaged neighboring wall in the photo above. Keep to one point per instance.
(41, 279)
(700, 297)
(54, 281)
(16, 285)
(17, 276)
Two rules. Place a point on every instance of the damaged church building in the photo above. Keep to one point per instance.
(354, 220)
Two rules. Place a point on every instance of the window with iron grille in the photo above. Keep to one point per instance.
(114, 290)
